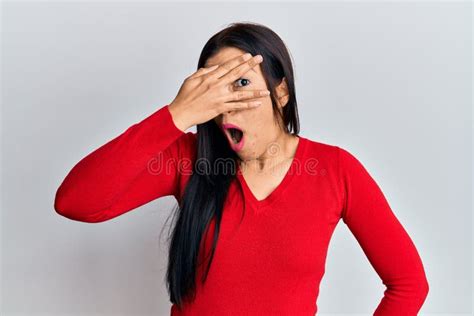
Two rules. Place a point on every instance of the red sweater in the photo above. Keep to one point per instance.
(273, 262)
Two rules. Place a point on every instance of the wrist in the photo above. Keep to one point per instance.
(177, 118)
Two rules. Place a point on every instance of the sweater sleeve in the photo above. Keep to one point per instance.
(383, 239)
(130, 170)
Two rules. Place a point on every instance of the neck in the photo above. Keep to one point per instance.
(281, 149)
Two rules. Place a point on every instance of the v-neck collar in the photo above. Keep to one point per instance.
(277, 192)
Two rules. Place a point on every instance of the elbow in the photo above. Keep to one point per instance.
(61, 204)
(80, 216)
(63, 207)
(411, 291)
(424, 289)
(66, 207)
(422, 286)
(420, 294)
(419, 291)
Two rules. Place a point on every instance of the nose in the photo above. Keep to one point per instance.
(224, 115)
(229, 113)
(227, 116)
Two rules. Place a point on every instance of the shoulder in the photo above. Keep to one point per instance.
(333, 156)
(317, 146)
(337, 152)
(322, 151)
(322, 158)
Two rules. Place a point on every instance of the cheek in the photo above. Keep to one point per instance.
(259, 121)
(265, 114)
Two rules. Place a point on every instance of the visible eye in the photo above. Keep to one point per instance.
(246, 81)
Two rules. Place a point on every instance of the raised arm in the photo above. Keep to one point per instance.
(130, 170)
(383, 239)
(122, 174)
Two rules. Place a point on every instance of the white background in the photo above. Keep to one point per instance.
(391, 82)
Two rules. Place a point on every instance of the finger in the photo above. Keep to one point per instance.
(245, 94)
(203, 70)
(231, 64)
(235, 106)
(241, 69)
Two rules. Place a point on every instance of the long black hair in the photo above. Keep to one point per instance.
(205, 193)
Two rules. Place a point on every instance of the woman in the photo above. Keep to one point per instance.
(255, 199)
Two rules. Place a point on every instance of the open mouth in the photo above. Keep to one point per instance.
(235, 134)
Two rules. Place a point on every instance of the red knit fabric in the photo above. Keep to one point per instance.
(271, 262)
